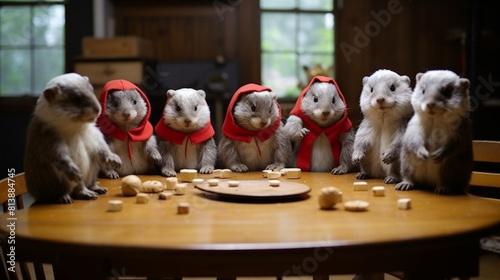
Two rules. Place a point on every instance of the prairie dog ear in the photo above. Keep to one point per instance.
(418, 76)
(51, 93)
(365, 80)
(86, 78)
(201, 93)
(463, 85)
(171, 93)
(406, 79)
(273, 95)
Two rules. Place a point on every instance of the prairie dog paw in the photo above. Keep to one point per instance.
(239, 167)
(111, 174)
(275, 166)
(422, 153)
(389, 157)
(84, 194)
(98, 189)
(207, 169)
(357, 156)
(168, 172)
(113, 161)
(362, 176)
(391, 180)
(156, 157)
(404, 186)
(65, 199)
(339, 170)
(303, 132)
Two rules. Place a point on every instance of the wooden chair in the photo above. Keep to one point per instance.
(486, 184)
(16, 186)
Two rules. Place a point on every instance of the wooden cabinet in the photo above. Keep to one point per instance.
(101, 71)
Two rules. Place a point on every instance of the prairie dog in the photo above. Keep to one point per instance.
(185, 134)
(386, 105)
(437, 145)
(253, 137)
(125, 124)
(320, 129)
(64, 148)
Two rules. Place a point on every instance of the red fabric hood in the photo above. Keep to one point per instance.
(140, 133)
(235, 132)
(332, 132)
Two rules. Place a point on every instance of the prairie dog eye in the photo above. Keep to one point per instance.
(178, 108)
(371, 89)
(196, 108)
(423, 91)
(253, 108)
(333, 100)
(315, 99)
(447, 91)
(134, 102)
(76, 100)
(392, 88)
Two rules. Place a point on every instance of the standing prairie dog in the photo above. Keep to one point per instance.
(185, 133)
(386, 105)
(320, 128)
(437, 145)
(64, 148)
(253, 137)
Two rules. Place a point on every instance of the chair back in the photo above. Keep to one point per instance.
(12, 190)
(486, 183)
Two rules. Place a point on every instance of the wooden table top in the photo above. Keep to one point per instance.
(214, 224)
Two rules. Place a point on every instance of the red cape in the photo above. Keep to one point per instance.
(177, 137)
(235, 132)
(332, 132)
(138, 134)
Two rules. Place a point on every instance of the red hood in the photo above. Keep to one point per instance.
(235, 132)
(140, 133)
(297, 109)
(332, 132)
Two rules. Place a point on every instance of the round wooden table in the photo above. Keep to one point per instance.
(227, 237)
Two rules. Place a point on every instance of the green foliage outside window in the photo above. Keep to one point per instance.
(294, 35)
(31, 47)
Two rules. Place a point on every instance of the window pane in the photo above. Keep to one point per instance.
(320, 5)
(279, 72)
(15, 26)
(278, 4)
(317, 63)
(278, 31)
(48, 64)
(15, 69)
(315, 33)
(48, 23)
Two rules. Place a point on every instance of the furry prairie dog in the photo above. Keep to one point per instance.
(320, 130)
(64, 148)
(437, 145)
(253, 137)
(127, 130)
(386, 105)
(185, 134)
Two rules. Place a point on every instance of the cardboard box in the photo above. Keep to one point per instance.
(117, 47)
